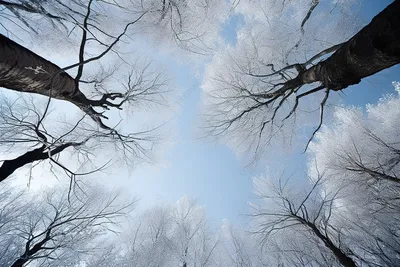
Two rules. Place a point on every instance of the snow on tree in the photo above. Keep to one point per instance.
(286, 64)
(359, 156)
(56, 227)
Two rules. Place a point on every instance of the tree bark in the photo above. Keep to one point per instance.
(372, 49)
(345, 260)
(24, 71)
(21, 261)
(10, 166)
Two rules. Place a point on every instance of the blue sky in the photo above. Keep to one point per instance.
(210, 172)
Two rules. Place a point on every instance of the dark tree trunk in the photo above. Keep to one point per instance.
(372, 49)
(341, 256)
(23, 70)
(23, 259)
(19, 263)
(10, 166)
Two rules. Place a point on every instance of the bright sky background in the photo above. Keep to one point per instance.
(211, 172)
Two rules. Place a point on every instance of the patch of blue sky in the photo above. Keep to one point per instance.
(205, 171)
(231, 27)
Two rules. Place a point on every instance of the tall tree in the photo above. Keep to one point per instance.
(30, 125)
(24, 70)
(100, 30)
(360, 153)
(176, 235)
(59, 226)
(309, 214)
(259, 85)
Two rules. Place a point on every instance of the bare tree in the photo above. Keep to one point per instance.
(12, 209)
(107, 254)
(360, 154)
(24, 14)
(240, 248)
(29, 125)
(99, 29)
(258, 93)
(193, 242)
(147, 241)
(60, 226)
(364, 150)
(309, 213)
(192, 25)
(23, 70)
(171, 236)
(28, 72)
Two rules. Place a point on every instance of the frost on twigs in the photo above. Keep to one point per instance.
(261, 93)
(396, 86)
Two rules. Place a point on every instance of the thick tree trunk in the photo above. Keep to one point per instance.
(23, 70)
(19, 263)
(372, 49)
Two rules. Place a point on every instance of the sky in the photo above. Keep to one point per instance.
(209, 171)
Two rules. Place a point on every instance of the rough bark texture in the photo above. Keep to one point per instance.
(372, 49)
(23, 70)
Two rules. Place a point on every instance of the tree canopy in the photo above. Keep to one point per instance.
(90, 90)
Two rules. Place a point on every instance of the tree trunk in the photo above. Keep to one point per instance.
(23, 70)
(10, 166)
(23, 259)
(372, 49)
(345, 260)
(19, 263)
